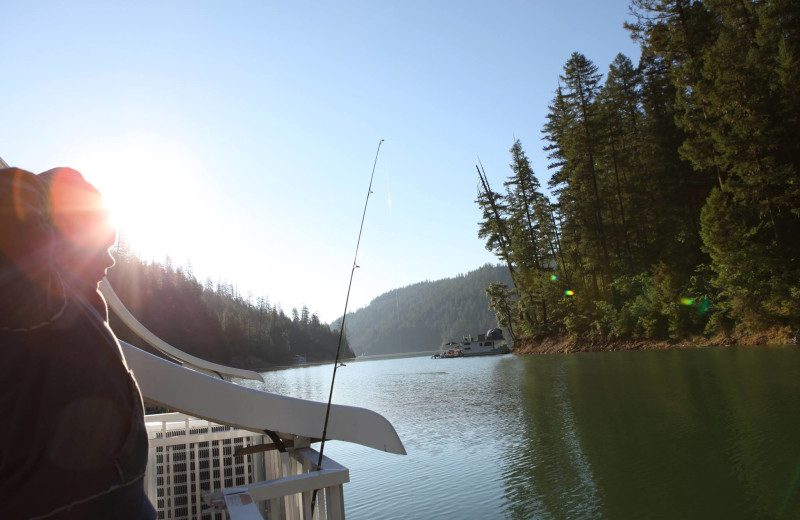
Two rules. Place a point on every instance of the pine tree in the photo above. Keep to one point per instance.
(575, 141)
(501, 300)
(528, 235)
(494, 226)
(756, 149)
(620, 154)
(677, 180)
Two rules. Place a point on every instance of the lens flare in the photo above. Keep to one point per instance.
(702, 304)
(78, 210)
(569, 293)
(553, 278)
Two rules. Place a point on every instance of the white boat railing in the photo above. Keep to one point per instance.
(237, 452)
(200, 469)
(290, 496)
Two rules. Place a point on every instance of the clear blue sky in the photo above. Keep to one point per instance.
(241, 135)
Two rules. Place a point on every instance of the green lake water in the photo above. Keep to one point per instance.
(676, 434)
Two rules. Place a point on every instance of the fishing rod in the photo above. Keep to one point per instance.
(344, 316)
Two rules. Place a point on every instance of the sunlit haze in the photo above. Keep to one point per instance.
(240, 136)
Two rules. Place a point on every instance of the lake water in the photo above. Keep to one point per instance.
(707, 433)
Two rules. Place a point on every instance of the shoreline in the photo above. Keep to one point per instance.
(568, 345)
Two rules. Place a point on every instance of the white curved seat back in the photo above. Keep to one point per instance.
(224, 402)
(116, 305)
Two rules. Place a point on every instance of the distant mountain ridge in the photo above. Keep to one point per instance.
(424, 315)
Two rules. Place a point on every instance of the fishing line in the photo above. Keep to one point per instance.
(341, 330)
(389, 190)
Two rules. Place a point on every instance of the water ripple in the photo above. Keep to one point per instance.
(674, 434)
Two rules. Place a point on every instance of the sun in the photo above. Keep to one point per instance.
(155, 188)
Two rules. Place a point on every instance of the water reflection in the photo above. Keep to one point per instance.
(667, 434)
(676, 434)
(549, 476)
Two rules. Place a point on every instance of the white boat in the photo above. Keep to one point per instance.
(259, 442)
(490, 344)
(450, 349)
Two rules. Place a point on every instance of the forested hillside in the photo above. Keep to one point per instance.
(674, 204)
(424, 315)
(215, 322)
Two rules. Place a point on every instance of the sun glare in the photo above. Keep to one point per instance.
(156, 190)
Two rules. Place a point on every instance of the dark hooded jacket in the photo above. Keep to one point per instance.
(73, 442)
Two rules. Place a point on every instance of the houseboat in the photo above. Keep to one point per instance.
(490, 344)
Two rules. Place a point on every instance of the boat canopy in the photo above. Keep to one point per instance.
(494, 333)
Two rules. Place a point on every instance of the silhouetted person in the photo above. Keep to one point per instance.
(73, 444)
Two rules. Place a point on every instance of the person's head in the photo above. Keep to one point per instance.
(26, 249)
(84, 233)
